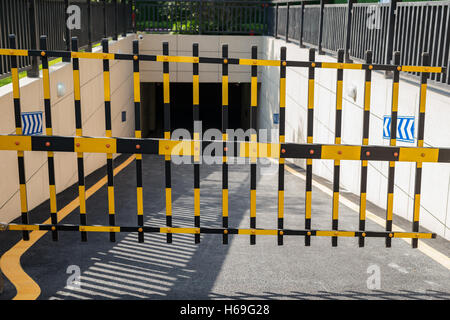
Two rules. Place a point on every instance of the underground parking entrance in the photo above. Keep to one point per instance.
(181, 107)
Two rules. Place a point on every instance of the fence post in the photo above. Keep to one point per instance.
(348, 32)
(319, 47)
(287, 22)
(34, 71)
(104, 20)
(302, 14)
(200, 18)
(266, 27)
(67, 31)
(116, 21)
(125, 17)
(276, 21)
(89, 12)
(133, 15)
(390, 32)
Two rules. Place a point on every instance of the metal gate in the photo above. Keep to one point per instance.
(251, 150)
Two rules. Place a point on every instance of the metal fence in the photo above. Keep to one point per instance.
(202, 16)
(334, 26)
(424, 27)
(408, 27)
(30, 18)
(369, 30)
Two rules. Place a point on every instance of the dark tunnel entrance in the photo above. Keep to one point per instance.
(181, 110)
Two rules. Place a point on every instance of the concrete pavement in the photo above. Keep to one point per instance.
(182, 270)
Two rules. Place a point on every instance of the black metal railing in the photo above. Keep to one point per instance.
(30, 18)
(431, 35)
(408, 27)
(202, 16)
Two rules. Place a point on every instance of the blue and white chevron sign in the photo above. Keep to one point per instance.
(405, 128)
(32, 123)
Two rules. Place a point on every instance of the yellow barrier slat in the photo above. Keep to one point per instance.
(421, 69)
(335, 233)
(22, 227)
(412, 235)
(333, 65)
(95, 145)
(181, 59)
(99, 229)
(341, 152)
(258, 232)
(179, 230)
(13, 52)
(419, 154)
(19, 143)
(93, 55)
(176, 148)
(263, 150)
(257, 62)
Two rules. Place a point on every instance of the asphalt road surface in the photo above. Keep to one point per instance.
(127, 269)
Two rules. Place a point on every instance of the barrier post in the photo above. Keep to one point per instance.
(197, 144)
(19, 131)
(281, 140)
(337, 141)
(309, 139)
(253, 142)
(167, 130)
(49, 132)
(365, 142)
(224, 138)
(79, 133)
(138, 135)
(108, 133)
(393, 142)
(420, 136)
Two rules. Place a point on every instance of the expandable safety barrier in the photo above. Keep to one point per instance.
(252, 150)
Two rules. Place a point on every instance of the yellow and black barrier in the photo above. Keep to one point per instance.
(236, 61)
(242, 149)
(195, 148)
